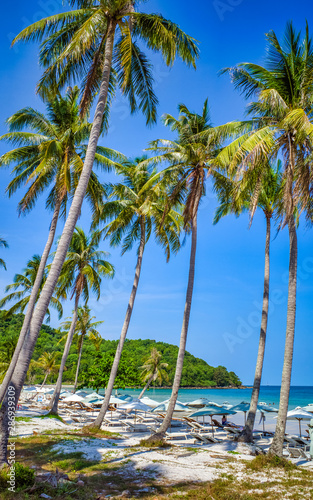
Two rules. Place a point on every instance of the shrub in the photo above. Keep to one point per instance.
(269, 462)
(24, 477)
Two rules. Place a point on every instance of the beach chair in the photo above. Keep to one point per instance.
(112, 423)
(304, 444)
(217, 424)
(204, 439)
(135, 427)
(291, 443)
(232, 432)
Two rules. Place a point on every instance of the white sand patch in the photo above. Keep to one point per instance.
(39, 425)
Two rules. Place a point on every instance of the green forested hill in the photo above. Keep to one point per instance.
(95, 366)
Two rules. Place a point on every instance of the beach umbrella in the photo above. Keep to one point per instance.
(116, 401)
(201, 402)
(135, 406)
(308, 407)
(82, 393)
(73, 398)
(264, 407)
(149, 402)
(243, 406)
(126, 397)
(94, 395)
(164, 406)
(211, 412)
(298, 414)
(64, 394)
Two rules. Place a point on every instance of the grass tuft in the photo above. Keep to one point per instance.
(269, 462)
(157, 443)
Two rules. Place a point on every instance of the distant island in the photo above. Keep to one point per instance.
(96, 364)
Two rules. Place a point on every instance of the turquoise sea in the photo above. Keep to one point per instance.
(299, 396)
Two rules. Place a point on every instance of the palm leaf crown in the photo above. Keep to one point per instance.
(139, 201)
(281, 118)
(189, 157)
(51, 153)
(73, 45)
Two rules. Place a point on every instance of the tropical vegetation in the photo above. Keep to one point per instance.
(88, 54)
(96, 362)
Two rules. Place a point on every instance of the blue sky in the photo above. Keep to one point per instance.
(224, 326)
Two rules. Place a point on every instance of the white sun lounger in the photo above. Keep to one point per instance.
(204, 438)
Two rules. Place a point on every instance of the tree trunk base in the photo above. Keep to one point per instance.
(245, 437)
(155, 438)
(53, 413)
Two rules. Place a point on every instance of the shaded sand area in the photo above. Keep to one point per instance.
(71, 463)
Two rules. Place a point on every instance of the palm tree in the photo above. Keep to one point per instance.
(82, 43)
(48, 363)
(189, 158)
(7, 348)
(23, 286)
(237, 197)
(85, 327)
(281, 124)
(4, 244)
(50, 154)
(136, 207)
(82, 271)
(153, 370)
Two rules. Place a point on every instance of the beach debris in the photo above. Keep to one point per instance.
(52, 478)
(43, 495)
(80, 483)
(125, 494)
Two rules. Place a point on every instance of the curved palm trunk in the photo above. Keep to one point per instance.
(32, 301)
(56, 395)
(247, 434)
(109, 388)
(44, 380)
(78, 365)
(276, 447)
(46, 294)
(183, 336)
(145, 387)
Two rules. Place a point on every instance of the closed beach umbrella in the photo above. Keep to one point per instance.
(243, 406)
(263, 407)
(149, 402)
(299, 414)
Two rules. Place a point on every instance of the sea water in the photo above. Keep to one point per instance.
(299, 396)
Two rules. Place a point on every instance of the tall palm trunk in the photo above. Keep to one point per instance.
(145, 387)
(183, 336)
(32, 301)
(78, 364)
(276, 447)
(56, 395)
(44, 380)
(109, 388)
(247, 434)
(46, 294)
